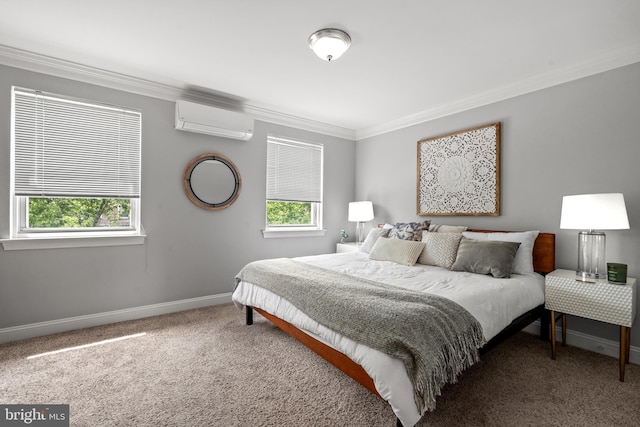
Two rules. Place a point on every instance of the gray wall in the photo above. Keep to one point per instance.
(189, 252)
(578, 137)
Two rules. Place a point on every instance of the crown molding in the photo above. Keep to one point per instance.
(66, 69)
(605, 62)
(71, 70)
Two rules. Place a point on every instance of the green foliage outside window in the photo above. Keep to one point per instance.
(288, 213)
(78, 213)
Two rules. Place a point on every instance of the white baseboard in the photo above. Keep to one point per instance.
(589, 342)
(31, 330)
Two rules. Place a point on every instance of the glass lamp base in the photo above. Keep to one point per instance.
(591, 260)
(359, 233)
(584, 276)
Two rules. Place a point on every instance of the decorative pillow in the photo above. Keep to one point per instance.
(409, 230)
(440, 228)
(523, 263)
(486, 257)
(404, 252)
(440, 249)
(372, 237)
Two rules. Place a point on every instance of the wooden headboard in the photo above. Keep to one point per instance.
(544, 250)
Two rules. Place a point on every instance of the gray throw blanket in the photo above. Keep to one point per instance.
(434, 337)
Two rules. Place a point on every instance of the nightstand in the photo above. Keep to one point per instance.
(596, 300)
(347, 247)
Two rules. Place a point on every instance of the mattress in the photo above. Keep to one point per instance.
(495, 303)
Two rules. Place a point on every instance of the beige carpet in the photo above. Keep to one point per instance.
(206, 368)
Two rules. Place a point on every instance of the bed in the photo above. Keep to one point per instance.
(500, 305)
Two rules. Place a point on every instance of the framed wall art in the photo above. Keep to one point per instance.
(459, 173)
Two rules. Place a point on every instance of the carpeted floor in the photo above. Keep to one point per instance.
(205, 367)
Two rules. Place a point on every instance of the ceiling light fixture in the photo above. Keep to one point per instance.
(329, 44)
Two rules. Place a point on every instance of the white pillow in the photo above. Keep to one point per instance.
(523, 263)
(372, 237)
(405, 252)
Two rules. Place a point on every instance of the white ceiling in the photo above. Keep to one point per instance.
(409, 61)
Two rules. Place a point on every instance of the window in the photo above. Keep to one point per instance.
(294, 188)
(75, 168)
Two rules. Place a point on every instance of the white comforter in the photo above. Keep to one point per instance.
(495, 303)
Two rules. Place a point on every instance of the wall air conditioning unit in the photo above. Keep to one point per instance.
(201, 118)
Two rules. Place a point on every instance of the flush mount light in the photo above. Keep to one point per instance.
(329, 43)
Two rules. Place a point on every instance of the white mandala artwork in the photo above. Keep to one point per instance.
(459, 173)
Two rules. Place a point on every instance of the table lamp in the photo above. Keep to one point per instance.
(360, 212)
(591, 212)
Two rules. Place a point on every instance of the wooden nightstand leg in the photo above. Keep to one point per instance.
(564, 330)
(624, 342)
(553, 335)
(628, 344)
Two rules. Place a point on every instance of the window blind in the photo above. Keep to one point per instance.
(70, 148)
(294, 171)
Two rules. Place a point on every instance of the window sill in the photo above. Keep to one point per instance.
(292, 232)
(70, 242)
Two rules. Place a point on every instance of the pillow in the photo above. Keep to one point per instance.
(409, 230)
(404, 252)
(486, 257)
(523, 263)
(372, 237)
(440, 249)
(439, 228)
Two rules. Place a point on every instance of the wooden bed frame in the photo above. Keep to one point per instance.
(543, 263)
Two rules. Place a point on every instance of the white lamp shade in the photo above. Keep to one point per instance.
(594, 212)
(330, 43)
(360, 211)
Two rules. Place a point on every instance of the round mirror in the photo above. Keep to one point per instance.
(211, 181)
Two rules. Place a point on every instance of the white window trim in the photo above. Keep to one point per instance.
(310, 230)
(60, 241)
(279, 232)
(22, 239)
(19, 227)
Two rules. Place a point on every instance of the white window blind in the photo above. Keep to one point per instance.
(294, 171)
(69, 148)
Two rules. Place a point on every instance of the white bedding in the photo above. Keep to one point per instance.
(495, 303)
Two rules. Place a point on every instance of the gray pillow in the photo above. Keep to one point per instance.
(486, 257)
(523, 263)
(440, 228)
(409, 230)
(404, 252)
